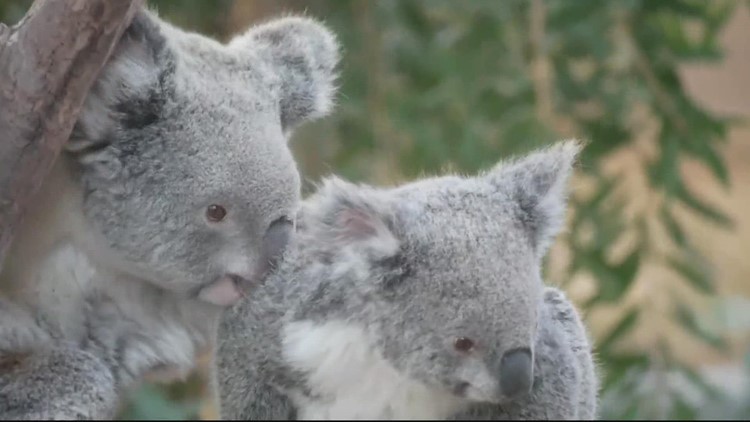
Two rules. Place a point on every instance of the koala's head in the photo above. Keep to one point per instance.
(181, 149)
(447, 268)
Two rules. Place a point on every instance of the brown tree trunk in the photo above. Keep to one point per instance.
(48, 63)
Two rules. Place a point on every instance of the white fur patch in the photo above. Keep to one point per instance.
(353, 378)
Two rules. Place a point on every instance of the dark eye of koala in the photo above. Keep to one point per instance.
(463, 344)
(215, 213)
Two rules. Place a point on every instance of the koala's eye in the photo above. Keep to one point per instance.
(463, 344)
(215, 213)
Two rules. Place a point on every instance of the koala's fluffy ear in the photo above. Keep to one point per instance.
(349, 217)
(304, 53)
(132, 86)
(539, 183)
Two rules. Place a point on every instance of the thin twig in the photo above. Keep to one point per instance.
(4, 33)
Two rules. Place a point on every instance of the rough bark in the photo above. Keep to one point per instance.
(48, 63)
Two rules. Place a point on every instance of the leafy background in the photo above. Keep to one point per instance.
(654, 253)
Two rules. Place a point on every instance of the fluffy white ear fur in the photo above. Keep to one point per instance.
(305, 54)
(539, 182)
(352, 217)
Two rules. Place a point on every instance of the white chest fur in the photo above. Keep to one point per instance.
(353, 380)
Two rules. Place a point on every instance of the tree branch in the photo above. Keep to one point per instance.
(48, 63)
(4, 33)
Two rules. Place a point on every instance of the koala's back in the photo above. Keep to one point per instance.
(566, 318)
(565, 371)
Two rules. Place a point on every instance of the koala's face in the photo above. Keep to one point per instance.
(454, 269)
(182, 150)
(464, 313)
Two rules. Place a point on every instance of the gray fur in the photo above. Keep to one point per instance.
(117, 257)
(412, 268)
(26, 393)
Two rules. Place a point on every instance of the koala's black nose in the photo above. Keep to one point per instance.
(276, 240)
(516, 372)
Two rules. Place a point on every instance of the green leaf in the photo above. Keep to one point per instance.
(665, 172)
(704, 209)
(716, 163)
(682, 410)
(690, 323)
(628, 268)
(672, 226)
(697, 380)
(150, 403)
(613, 280)
(694, 271)
(615, 133)
(619, 364)
(610, 286)
(705, 152)
(677, 7)
(588, 209)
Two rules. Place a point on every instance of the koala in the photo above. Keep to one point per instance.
(174, 195)
(421, 301)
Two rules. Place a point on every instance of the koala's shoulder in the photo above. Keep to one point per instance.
(558, 301)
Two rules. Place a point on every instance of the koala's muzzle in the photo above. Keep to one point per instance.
(516, 372)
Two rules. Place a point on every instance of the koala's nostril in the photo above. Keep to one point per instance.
(516, 372)
(276, 239)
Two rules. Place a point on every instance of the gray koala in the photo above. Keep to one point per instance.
(175, 194)
(423, 301)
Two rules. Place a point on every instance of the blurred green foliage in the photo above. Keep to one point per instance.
(433, 85)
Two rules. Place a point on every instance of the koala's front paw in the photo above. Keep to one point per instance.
(59, 384)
